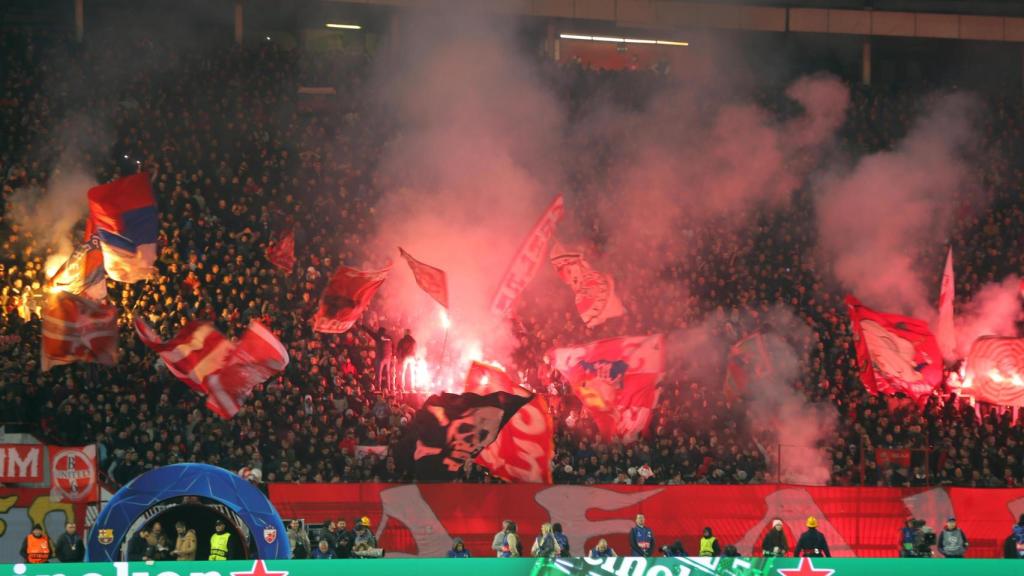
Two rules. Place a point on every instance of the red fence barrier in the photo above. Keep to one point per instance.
(421, 520)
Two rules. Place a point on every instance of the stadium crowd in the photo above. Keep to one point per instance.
(238, 160)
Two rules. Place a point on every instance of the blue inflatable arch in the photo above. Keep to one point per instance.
(116, 520)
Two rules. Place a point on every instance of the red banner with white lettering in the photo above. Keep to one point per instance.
(528, 259)
(421, 520)
(22, 463)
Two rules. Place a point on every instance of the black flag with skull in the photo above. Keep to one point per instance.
(452, 429)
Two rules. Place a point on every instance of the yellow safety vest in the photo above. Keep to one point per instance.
(219, 546)
(707, 546)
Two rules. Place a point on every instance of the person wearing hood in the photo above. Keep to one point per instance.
(458, 549)
(952, 541)
(775, 543)
(812, 544)
(709, 544)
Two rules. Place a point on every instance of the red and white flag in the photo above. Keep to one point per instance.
(525, 447)
(945, 331)
(748, 362)
(281, 252)
(895, 353)
(594, 292)
(994, 371)
(257, 356)
(616, 380)
(432, 280)
(209, 363)
(78, 329)
(527, 260)
(194, 353)
(346, 297)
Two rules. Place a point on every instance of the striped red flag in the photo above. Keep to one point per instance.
(209, 363)
(432, 280)
(78, 329)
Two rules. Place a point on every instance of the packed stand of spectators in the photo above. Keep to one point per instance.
(238, 160)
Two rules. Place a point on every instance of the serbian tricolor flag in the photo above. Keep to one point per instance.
(431, 280)
(616, 380)
(209, 363)
(945, 331)
(281, 252)
(123, 214)
(83, 272)
(895, 353)
(594, 292)
(346, 297)
(78, 329)
(525, 447)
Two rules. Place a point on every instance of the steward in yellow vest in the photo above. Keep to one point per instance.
(219, 542)
(709, 544)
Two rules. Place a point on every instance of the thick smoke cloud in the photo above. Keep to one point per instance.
(993, 311)
(876, 220)
(472, 169)
(792, 432)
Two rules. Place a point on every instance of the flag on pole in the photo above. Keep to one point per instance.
(945, 332)
(527, 260)
(346, 297)
(895, 353)
(594, 292)
(78, 329)
(431, 280)
(123, 214)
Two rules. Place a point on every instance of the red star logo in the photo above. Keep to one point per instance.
(806, 569)
(259, 569)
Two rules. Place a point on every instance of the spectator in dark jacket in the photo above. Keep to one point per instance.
(139, 549)
(69, 547)
(812, 543)
(561, 538)
(775, 543)
(458, 549)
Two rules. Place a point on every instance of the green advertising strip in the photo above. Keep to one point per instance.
(536, 567)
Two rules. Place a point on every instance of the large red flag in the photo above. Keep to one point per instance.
(209, 363)
(616, 379)
(346, 298)
(527, 260)
(78, 329)
(525, 447)
(432, 280)
(994, 371)
(748, 361)
(281, 252)
(594, 292)
(895, 353)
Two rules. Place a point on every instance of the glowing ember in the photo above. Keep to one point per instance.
(54, 262)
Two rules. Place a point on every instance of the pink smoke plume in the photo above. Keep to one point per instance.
(472, 170)
(876, 219)
(993, 311)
